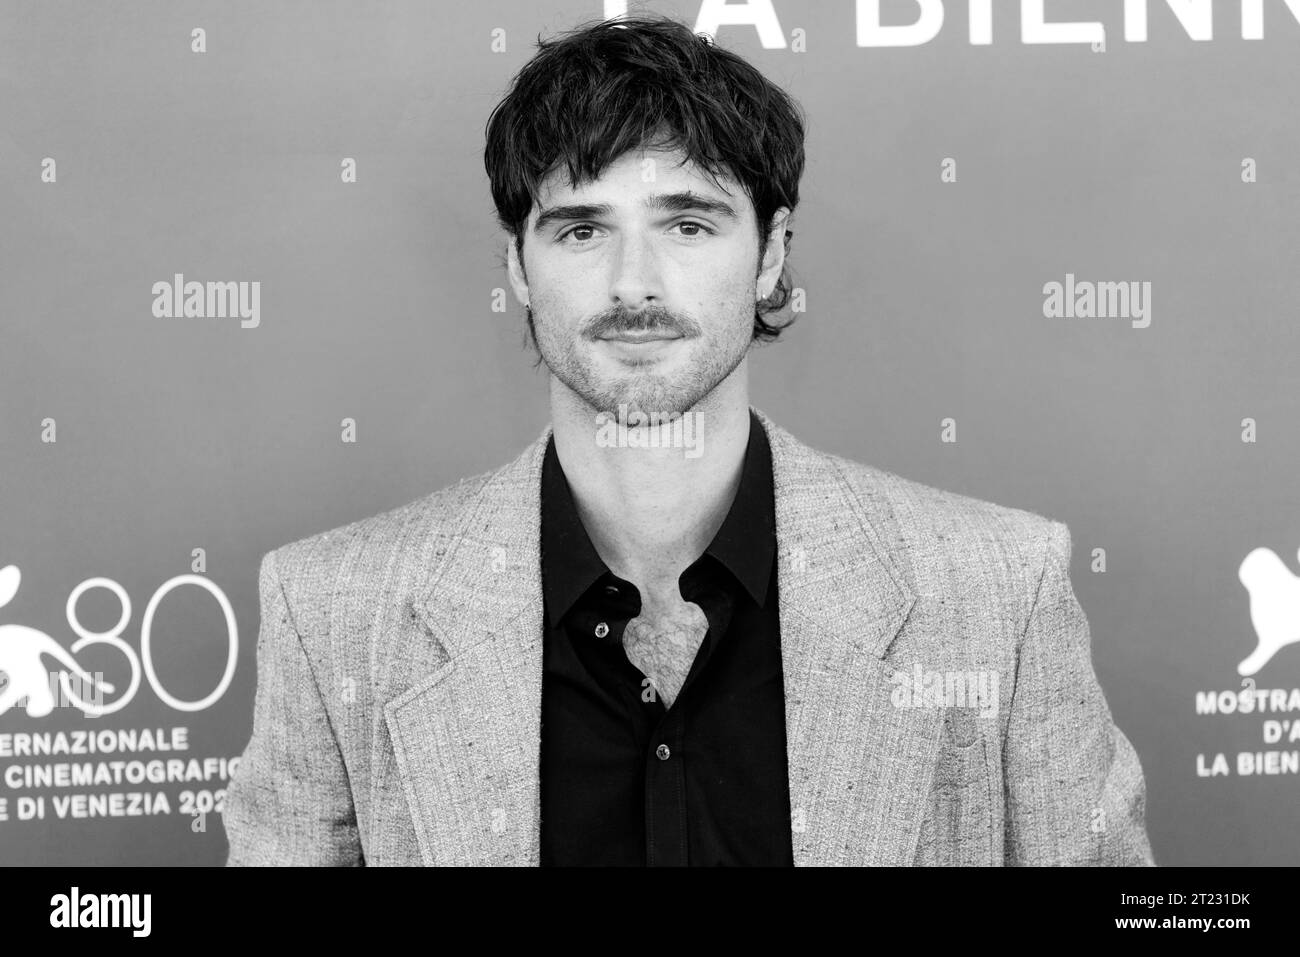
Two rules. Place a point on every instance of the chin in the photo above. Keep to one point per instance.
(652, 399)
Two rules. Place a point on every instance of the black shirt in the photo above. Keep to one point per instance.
(625, 781)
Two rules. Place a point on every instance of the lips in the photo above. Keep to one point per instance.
(653, 335)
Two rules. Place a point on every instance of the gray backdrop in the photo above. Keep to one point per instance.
(925, 301)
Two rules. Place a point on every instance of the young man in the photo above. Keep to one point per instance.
(669, 632)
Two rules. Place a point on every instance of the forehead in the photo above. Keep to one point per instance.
(642, 171)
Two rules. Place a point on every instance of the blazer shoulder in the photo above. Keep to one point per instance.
(373, 553)
(950, 542)
(976, 566)
(927, 509)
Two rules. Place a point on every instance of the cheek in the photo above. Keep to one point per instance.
(553, 304)
(726, 292)
(731, 278)
(561, 294)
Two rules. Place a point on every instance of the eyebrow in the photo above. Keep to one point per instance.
(668, 202)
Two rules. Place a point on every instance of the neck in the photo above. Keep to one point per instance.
(651, 509)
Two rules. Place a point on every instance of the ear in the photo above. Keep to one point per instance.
(769, 270)
(515, 270)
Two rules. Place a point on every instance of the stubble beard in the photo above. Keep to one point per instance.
(640, 389)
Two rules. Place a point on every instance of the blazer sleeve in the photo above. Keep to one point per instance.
(289, 801)
(1075, 794)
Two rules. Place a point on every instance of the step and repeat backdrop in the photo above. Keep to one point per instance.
(252, 289)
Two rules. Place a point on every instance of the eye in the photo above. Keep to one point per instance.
(694, 229)
(692, 224)
(581, 227)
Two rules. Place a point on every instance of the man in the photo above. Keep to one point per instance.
(669, 632)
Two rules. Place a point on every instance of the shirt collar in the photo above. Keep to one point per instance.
(745, 543)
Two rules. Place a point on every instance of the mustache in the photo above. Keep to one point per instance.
(652, 318)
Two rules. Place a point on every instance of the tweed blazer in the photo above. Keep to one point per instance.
(397, 716)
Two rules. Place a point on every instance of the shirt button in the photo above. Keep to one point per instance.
(602, 630)
(662, 752)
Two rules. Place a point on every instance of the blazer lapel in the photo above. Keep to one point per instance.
(467, 733)
(859, 768)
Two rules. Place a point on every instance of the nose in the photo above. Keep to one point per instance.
(636, 279)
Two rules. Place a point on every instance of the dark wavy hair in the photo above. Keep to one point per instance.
(610, 86)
